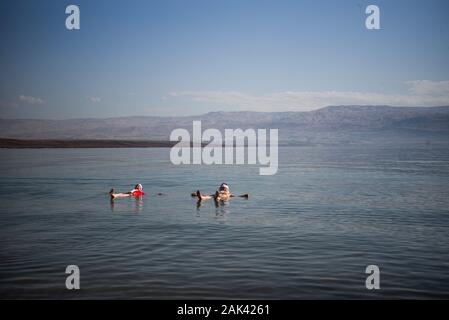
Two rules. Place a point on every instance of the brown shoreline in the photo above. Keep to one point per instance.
(82, 143)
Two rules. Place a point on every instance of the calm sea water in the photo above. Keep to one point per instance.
(307, 232)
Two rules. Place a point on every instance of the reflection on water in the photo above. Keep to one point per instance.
(222, 208)
(137, 203)
(307, 232)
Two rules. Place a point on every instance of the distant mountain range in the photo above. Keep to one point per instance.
(334, 124)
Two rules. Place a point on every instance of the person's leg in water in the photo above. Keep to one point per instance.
(201, 196)
(119, 195)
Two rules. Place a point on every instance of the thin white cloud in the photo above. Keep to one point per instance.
(31, 100)
(421, 93)
(427, 87)
(94, 99)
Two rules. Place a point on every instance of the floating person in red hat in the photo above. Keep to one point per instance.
(136, 192)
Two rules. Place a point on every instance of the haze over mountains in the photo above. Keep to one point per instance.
(334, 124)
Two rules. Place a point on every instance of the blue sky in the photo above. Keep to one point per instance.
(190, 57)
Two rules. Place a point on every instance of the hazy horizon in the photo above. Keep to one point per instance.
(227, 111)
